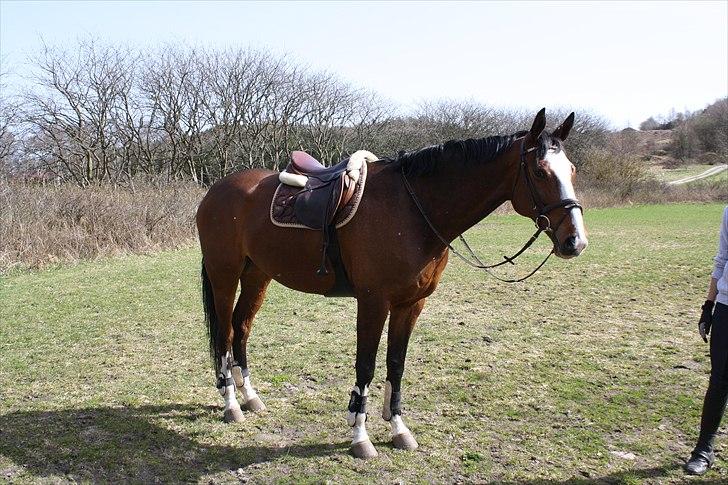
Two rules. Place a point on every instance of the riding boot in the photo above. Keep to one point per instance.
(699, 462)
(703, 456)
(713, 409)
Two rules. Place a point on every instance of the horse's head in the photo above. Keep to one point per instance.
(544, 188)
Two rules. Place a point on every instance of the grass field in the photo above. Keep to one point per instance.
(591, 371)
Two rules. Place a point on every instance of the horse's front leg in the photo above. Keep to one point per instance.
(371, 315)
(401, 324)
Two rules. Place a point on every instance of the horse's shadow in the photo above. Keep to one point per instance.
(111, 444)
(130, 444)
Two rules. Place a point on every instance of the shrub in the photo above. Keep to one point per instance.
(621, 174)
(41, 224)
(706, 131)
(649, 124)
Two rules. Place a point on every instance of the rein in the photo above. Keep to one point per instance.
(542, 221)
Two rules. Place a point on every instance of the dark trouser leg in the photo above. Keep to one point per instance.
(717, 393)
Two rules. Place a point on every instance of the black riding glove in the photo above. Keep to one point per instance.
(706, 319)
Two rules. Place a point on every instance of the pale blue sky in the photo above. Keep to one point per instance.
(623, 60)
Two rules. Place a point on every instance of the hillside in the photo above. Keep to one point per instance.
(653, 148)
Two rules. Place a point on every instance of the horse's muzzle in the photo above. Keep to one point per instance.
(571, 247)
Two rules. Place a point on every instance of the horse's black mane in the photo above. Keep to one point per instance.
(480, 150)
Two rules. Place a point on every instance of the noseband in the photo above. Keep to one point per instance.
(542, 221)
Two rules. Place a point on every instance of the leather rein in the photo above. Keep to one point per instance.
(542, 221)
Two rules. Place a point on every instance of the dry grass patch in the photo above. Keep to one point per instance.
(45, 224)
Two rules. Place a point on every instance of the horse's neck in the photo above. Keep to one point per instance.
(456, 200)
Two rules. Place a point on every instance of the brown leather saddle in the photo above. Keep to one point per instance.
(321, 198)
(327, 189)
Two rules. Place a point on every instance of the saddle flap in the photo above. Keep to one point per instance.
(316, 206)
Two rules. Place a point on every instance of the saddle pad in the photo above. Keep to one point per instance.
(282, 212)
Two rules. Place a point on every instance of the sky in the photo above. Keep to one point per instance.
(625, 61)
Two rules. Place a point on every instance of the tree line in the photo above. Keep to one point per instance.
(107, 114)
(696, 134)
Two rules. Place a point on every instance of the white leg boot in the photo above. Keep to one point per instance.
(361, 445)
(401, 435)
(251, 401)
(226, 386)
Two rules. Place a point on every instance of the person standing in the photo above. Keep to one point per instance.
(714, 317)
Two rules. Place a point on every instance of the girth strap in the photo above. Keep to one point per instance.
(342, 283)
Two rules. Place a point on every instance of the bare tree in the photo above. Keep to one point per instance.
(173, 85)
(104, 113)
(74, 107)
(9, 119)
(284, 109)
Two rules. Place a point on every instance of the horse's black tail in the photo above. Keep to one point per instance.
(208, 303)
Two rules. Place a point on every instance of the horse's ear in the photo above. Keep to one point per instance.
(539, 124)
(564, 128)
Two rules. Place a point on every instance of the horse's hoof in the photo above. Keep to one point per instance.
(255, 405)
(404, 441)
(364, 450)
(233, 416)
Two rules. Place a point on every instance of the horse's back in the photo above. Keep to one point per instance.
(240, 184)
(227, 204)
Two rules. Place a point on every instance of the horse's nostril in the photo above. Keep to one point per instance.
(570, 244)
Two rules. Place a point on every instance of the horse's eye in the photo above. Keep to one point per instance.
(540, 173)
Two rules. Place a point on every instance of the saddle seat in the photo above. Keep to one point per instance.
(305, 163)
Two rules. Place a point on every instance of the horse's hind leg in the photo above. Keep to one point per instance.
(219, 286)
(253, 284)
(401, 323)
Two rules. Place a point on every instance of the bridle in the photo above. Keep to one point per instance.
(542, 220)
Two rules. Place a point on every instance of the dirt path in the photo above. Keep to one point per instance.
(711, 171)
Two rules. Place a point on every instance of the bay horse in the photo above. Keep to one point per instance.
(394, 250)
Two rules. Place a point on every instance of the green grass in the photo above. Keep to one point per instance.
(104, 373)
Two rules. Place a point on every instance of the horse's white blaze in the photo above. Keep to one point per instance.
(228, 392)
(358, 421)
(561, 168)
